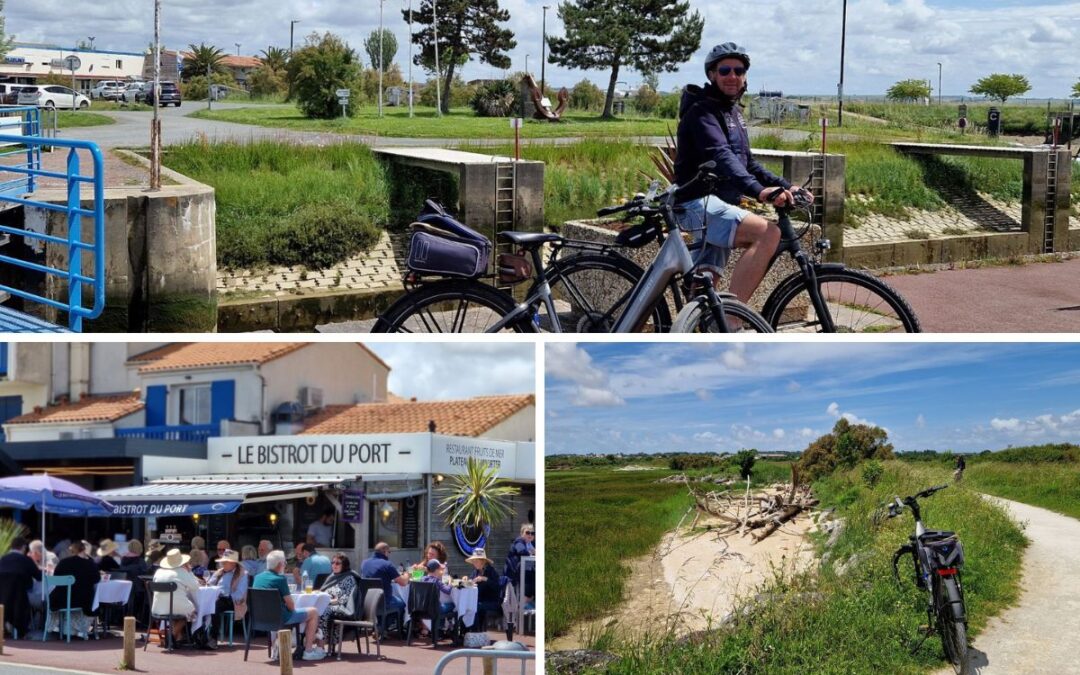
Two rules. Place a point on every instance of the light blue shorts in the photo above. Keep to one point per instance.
(717, 221)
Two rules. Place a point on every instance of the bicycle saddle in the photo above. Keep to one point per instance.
(529, 239)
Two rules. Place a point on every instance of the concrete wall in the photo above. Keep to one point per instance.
(345, 371)
(160, 257)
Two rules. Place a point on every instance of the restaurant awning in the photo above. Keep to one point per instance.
(179, 497)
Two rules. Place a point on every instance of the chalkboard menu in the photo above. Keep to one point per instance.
(410, 523)
(352, 506)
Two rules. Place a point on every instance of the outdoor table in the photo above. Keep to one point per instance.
(317, 599)
(206, 604)
(465, 602)
(112, 592)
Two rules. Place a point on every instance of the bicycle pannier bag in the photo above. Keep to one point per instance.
(441, 245)
(944, 552)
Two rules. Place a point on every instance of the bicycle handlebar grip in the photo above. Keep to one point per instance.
(608, 210)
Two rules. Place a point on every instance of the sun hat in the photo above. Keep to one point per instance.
(108, 547)
(478, 554)
(174, 559)
(228, 556)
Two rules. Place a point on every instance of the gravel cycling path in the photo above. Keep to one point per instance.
(1039, 634)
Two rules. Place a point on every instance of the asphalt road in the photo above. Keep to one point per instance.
(1032, 298)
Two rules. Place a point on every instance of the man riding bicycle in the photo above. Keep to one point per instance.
(711, 127)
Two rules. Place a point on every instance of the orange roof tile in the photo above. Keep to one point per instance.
(468, 417)
(187, 355)
(106, 408)
(231, 60)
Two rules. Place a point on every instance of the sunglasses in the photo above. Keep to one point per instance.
(530, 533)
(335, 562)
(727, 70)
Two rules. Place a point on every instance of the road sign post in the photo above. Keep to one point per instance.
(343, 101)
(73, 63)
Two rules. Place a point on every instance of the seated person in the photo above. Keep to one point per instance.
(176, 567)
(436, 550)
(340, 586)
(378, 566)
(487, 585)
(233, 580)
(274, 578)
(17, 575)
(435, 575)
(312, 562)
(87, 575)
(107, 559)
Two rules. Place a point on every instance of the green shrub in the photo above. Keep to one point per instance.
(460, 93)
(586, 96)
(846, 446)
(646, 100)
(317, 70)
(195, 89)
(318, 235)
(695, 461)
(267, 82)
(744, 460)
(668, 107)
(871, 473)
(496, 99)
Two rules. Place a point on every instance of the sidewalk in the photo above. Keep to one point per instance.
(102, 656)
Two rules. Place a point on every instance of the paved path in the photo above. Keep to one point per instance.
(1032, 298)
(1038, 635)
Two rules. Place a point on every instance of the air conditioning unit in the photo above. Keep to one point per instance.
(67, 435)
(311, 398)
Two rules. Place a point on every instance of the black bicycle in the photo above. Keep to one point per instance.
(937, 557)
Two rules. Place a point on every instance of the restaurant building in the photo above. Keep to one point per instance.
(251, 441)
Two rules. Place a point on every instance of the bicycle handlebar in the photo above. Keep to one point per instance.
(897, 505)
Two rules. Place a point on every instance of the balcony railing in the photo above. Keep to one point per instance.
(183, 432)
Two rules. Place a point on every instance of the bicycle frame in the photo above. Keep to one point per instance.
(789, 243)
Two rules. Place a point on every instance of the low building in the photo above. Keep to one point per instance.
(240, 67)
(26, 63)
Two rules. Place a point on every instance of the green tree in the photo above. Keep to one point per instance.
(9, 529)
(744, 459)
(196, 88)
(466, 28)
(389, 49)
(586, 96)
(846, 446)
(1001, 86)
(1075, 91)
(266, 81)
(650, 36)
(203, 57)
(5, 39)
(275, 58)
(478, 497)
(646, 100)
(908, 90)
(317, 70)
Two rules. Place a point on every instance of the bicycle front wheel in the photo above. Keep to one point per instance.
(696, 317)
(591, 291)
(460, 306)
(857, 303)
(952, 625)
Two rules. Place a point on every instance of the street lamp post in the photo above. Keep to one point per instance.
(292, 25)
(543, 51)
(380, 57)
(939, 83)
(438, 73)
(155, 125)
(410, 60)
(237, 48)
(840, 87)
(91, 39)
(526, 64)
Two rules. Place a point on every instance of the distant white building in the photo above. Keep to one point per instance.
(26, 63)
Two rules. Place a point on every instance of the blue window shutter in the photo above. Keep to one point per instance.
(155, 405)
(3, 358)
(222, 400)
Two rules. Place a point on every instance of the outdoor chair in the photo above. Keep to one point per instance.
(228, 617)
(365, 622)
(366, 584)
(170, 588)
(51, 583)
(424, 604)
(146, 596)
(264, 613)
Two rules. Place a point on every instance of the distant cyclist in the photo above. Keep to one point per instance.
(711, 127)
(958, 475)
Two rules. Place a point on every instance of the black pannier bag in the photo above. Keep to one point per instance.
(443, 246)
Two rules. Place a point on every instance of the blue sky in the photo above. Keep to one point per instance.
(655, 397)
(795, 43)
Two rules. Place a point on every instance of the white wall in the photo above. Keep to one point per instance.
(19, 433)
(521, 426)
(95, 64)
(248, 388)
(345, 371)
(108, 374)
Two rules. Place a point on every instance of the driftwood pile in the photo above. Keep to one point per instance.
(760, 515)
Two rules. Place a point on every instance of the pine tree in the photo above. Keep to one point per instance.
(389, 49)
(466, 28)
(650, 36)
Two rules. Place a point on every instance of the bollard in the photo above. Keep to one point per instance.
(490, 667)
(284, 646)
(128, 662)
(1, 630)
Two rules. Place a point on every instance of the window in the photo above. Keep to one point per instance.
(194, 404)
(118, 64)
(3, 359)
(386, 526)
(55, 89)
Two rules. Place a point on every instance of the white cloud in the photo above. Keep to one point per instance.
(833, 410)
(735, 357)
(567, 361)
(778, 433)
(591, 397)
(1011, 424)
(457, 369)
(703, 394)
(920, 422)
(807, 432)
(1046, 30)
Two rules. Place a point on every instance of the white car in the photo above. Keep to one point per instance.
(52, 96)
(108, 90)
(135, 92)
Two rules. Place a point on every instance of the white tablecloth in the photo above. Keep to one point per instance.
(205, 604)
(465, 601)
(317, 599)
(112, 591)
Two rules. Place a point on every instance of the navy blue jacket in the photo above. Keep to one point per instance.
(711, 127)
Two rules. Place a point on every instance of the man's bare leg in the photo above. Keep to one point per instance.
(312, 626)
(759, 238)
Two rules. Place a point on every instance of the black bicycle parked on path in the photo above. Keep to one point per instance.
(938, 557)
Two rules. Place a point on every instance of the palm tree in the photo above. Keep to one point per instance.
(202, 57)
(9, 529)
(477, 498)
(275, 58)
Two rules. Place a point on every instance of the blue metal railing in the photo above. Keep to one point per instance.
(73, 245)
(181, 432)
(495, 655)
(20, 121)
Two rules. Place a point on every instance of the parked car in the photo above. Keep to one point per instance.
(135, 91)
(9, 93)
(108, 90)
(51, 96)
(170, 94)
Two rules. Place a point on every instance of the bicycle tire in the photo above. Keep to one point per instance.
(454, 306)
(696, 317)
(590, 291)
(859, 302)
(952, 625)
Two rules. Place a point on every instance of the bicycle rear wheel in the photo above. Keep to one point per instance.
(696, 317)
(591, 291)
(459, 306)
(858, 303)
(952, 625)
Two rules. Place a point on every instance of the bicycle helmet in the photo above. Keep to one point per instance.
(724, 51)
